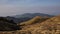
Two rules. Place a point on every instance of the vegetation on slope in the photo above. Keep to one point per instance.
(7, 25)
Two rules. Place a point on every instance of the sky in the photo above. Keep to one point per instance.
(16, 7)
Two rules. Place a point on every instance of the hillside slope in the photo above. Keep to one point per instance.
(51, 25)
(34, 20)
(47, 26)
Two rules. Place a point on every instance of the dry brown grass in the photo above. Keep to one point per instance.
(51, 25)
(32, 21)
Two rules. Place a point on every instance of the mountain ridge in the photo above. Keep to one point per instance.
(30, 15)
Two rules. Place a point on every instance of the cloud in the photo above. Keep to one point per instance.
(13, 7)
(6, 10)
(13, 10)
(3, 1)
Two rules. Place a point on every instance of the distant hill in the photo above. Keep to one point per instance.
(27, 16)
(30, 15)
(17, 20)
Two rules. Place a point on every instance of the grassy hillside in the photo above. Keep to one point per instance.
(38, 25)
(33, 21)
(51, 25)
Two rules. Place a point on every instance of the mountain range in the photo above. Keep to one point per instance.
(27, 16)
(35, 25)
